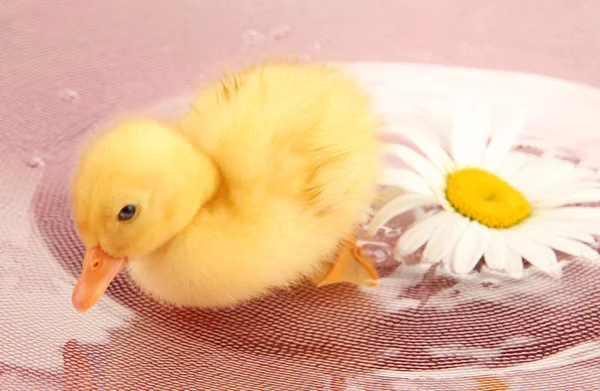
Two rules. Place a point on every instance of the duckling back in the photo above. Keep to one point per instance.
(306, 133)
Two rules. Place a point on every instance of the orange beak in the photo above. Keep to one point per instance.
(99, 269)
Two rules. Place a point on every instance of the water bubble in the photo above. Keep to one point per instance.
(392, 232)
(68, 95)
(380, 252)
(35, 162)
(252, 36)
(489, 285)
(280, 31)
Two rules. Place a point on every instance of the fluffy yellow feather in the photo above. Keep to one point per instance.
(260, 185)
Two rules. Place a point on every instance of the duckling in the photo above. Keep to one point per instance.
(259, 186)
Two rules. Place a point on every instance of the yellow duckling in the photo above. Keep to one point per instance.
(259, 186)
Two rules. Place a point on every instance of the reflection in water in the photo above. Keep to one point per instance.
(291, 339)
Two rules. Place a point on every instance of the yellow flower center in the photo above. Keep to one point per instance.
(486, 198)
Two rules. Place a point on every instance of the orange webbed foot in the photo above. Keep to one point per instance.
(351, 265)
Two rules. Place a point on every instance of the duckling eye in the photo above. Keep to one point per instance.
(127, 213)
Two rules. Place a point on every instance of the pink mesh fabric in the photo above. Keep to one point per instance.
(67, 67)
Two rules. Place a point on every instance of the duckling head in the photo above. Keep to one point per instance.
(136, 187)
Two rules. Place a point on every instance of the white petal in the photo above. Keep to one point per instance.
(555, 271)
(537, 254)
(575, 248)
(549, 172)
(472, 133)
(581, 196)
(549, 261)
(405, 179)
(513, 264)
(537, 173)
(503, 140)
(591, 228)
(431, 148)
(567, 229)
(461, 128)
(585, 185)
(395, 208)
(419, 233)
(581, 236)
(480, 134)
(565, 245)
(561, 188)
(495, 253)
(422, 166)
(570, 212)
(443, 239)
(470, 247)
(513, 163)
(582, 173)
(564, 227)
(443, 201)
(560, 192)
(447, 262)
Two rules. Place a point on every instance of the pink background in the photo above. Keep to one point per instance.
(116, 54)
(158, 46)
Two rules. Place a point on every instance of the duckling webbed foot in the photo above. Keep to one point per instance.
(351, 265)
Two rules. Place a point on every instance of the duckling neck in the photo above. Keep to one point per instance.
(194, 182)
(207, 179)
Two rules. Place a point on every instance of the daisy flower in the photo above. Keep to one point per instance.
(493, 201)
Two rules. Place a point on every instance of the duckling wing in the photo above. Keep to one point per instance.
(305, 132)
